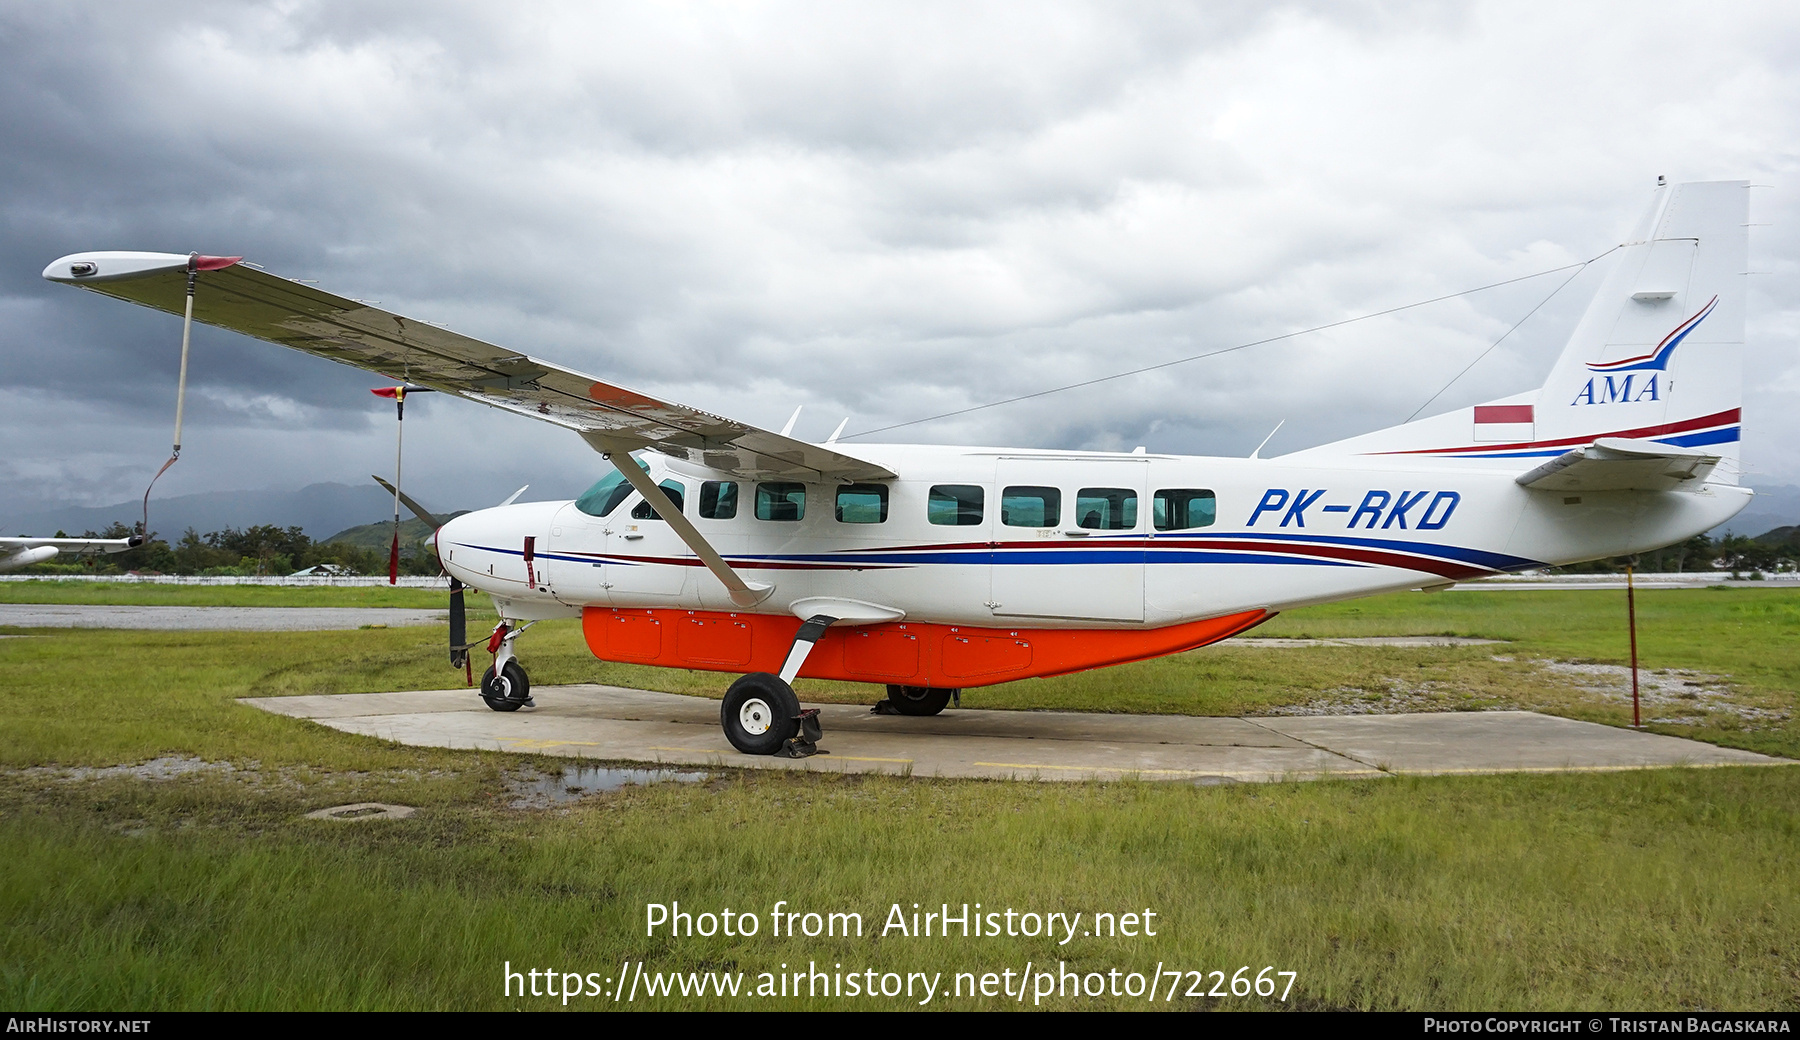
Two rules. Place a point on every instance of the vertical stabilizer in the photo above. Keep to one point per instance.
(1659, 353)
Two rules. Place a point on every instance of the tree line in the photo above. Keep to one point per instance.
(260, 550)
(1775, 551)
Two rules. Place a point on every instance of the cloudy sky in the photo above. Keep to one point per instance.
(876, 211)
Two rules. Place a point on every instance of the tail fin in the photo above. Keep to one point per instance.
(1658, 355)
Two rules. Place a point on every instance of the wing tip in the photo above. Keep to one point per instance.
(120, 265)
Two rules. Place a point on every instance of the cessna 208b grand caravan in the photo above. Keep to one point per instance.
(717, 545)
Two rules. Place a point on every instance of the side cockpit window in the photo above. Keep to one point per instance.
(676, 494)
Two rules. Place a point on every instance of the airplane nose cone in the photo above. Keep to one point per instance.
(444, 541)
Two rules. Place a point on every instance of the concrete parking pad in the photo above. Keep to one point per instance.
(214, 619)
(609, 722)
(1502, 742)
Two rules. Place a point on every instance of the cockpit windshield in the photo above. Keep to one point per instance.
(607, 492)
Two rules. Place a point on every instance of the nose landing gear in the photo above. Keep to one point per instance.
(505, 686)
(509, 689)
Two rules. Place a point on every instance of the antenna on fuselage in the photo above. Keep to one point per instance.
(789, 428)
(838, 432)
(1257, 454)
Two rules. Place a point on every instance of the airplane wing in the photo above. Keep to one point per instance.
(236, 296)
(23, 552)
(1618, 464)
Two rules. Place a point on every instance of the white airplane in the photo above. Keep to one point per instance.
(23, 552)
(934, 569)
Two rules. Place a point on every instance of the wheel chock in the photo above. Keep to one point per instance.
(884, 707)
(806, 743)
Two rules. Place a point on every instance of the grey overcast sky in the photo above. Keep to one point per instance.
(881, 211)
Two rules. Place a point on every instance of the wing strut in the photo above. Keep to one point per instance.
(744, 594)
(195, 264)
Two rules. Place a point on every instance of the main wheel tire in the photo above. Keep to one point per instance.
(758, 714)
(918, 700)
(507, 692)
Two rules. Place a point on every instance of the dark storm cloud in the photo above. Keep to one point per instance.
(885, 211)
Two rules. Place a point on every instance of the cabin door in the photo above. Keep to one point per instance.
(1069, 542)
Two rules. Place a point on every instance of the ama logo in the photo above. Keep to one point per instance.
(1614, 384)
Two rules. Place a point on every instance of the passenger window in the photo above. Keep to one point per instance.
(779, 500)
(862, 504)
(1106, 509)
(1031, 507)
(1179, 509)
(954, 505)
(718, 499)
(671, 488)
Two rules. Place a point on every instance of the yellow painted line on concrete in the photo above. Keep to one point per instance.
(1120, 769)
(1584, 769)
(840, 758)
(855, 758)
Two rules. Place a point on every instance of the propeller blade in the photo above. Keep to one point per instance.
(418, 510)
(459, 654)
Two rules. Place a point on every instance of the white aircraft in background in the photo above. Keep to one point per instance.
(934, 569)
(23, 552)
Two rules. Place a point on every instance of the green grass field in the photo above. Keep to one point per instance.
(1659, 889)
(148, 594)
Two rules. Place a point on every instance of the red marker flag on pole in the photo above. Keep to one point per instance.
(397, 394)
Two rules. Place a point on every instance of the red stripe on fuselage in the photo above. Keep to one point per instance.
(1716, 419)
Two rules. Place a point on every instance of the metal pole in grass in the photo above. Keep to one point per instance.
(1631, 615)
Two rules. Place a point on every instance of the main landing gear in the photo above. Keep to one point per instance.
(505, 686)
(760, 713)
(915, 700)
(762, 716)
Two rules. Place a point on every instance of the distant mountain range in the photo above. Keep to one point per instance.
(380, 535)
(332, 511)
(321, 510)
(1775, 505)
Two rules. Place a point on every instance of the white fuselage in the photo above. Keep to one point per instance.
(1284, 534)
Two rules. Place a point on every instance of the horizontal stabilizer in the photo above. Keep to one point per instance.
(1617, 464)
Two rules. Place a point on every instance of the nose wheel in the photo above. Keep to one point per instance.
(509, 689)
